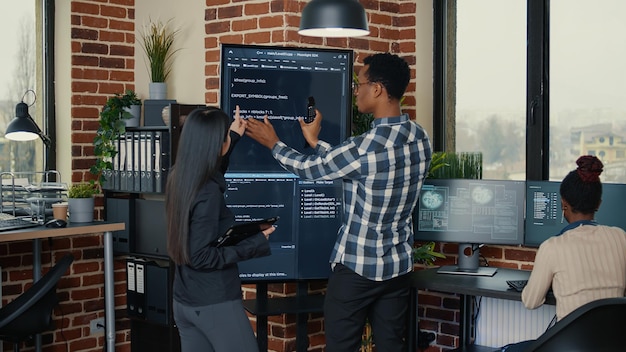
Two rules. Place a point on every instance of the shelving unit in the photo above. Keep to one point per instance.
(134, 194)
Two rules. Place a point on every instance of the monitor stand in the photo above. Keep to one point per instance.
(469, 255)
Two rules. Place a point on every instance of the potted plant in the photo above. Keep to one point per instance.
(80, 199)
(134, 108)
(157, 40)
(112, 127)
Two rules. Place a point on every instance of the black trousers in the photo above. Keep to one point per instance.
(351, 299)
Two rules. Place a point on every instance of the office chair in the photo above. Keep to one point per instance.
(31, 312)
(598, 326)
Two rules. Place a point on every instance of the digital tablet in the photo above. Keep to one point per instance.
(244, 230)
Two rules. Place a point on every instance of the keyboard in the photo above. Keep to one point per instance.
(10, 222)
(517, 285)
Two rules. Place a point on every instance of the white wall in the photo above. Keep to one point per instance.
(186, 82)
(424, 64)
(62, 69)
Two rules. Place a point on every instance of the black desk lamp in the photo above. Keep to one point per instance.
(334, 18)
(23, 127)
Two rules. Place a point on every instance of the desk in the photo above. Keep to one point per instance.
(37, 233)
(467, 286)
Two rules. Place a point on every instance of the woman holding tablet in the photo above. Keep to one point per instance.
(208, 307)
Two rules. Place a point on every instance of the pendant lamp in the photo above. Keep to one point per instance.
(333, 18)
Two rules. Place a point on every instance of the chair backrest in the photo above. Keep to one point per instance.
(597, 326)
(31, 312)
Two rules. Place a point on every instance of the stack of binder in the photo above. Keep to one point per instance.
(148, 293)
(141, 163)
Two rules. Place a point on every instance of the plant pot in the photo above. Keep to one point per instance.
(81, 209)
(158, 90)
(134, 110)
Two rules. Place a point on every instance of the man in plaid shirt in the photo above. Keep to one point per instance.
(382, 172)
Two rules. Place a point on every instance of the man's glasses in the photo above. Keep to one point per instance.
(355, 85)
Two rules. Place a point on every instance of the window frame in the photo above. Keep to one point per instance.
(537, 83)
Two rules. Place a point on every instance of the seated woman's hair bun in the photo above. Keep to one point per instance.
(589, 168)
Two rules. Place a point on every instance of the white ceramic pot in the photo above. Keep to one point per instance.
(157, 90)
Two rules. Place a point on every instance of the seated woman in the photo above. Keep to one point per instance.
(586, 261)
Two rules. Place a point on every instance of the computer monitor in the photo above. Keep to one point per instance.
(472, 213)
(544, 214)
(277, 82)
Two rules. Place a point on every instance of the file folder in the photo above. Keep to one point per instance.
(161, 160)
(130, 181)
(149, 185)
(143, 141)
(136, 162)
(131, 288)
(140, 281)
(122, 165)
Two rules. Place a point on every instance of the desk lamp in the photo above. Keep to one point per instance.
(23, 127)
(333, 18)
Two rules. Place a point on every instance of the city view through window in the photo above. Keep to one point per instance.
(587, 84)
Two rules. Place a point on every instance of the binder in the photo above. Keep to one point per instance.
(122, 164)
(149, 170)
(143, 136)
(161, 160)
(136, 162)
(130, 181)
(114, 172)
(135, 289)
(140, 280)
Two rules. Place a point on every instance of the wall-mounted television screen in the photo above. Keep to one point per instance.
(277, 82)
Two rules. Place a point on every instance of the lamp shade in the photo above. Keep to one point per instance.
(333, 18)
(23, 127)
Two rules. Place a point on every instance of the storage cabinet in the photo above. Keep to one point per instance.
(134, 194)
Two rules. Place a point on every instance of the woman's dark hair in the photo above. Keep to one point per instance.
(582, 188)
(198, 158)
(389, 70)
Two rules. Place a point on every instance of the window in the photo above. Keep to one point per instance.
(587, 85)
(23, 68)
(532, 84)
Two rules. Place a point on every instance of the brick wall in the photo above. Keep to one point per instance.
(102, 45)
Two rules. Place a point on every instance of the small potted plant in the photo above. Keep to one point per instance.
(112, 127)
(157, 40)
(80, 199)
(131, 99)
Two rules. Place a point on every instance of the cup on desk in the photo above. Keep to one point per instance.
(38, 210)
(59, 211)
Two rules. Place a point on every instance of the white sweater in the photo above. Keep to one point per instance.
(582, 265)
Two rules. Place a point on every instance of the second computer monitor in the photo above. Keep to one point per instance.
(471, 211)
(544, 216)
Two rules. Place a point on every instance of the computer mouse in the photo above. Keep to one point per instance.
(56, 223)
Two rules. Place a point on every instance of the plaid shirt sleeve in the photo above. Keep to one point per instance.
(382, 172)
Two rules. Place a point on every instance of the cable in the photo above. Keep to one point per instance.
(475, 314)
